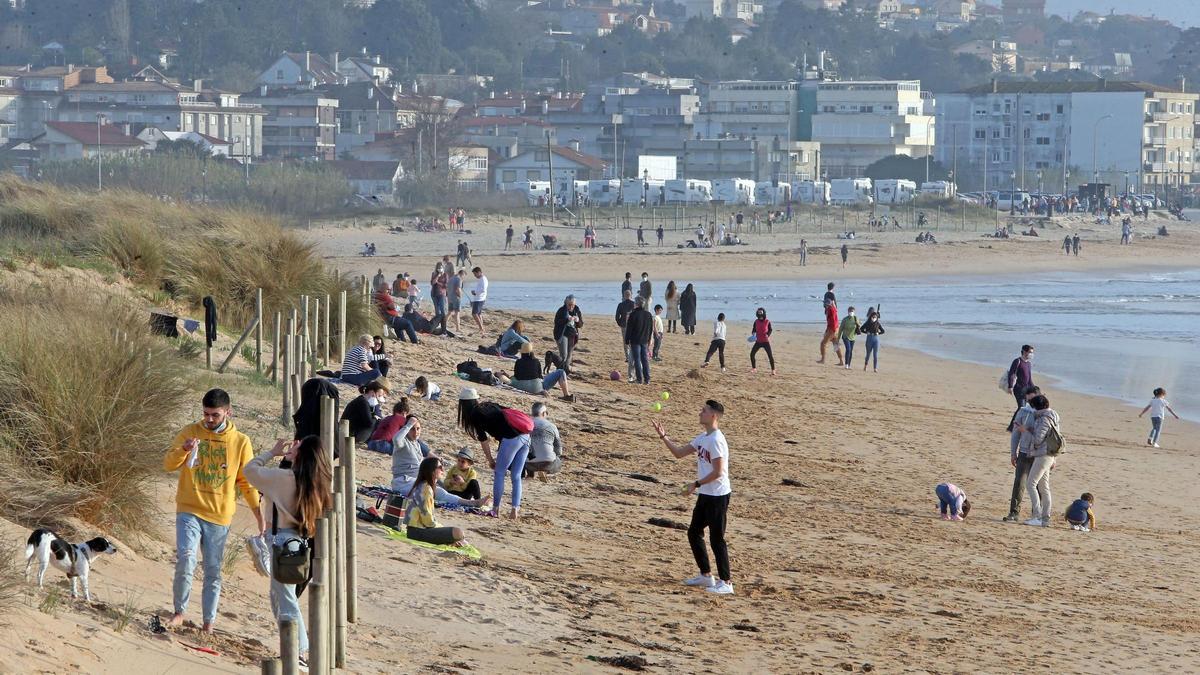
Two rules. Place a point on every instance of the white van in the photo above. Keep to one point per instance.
(633, 189)
(1007, 200)
(688, 191)
(939, 188)
(811, 192)
(604, 192)
(850, 191)
(768, 194)
(895, 191)
(733, 191)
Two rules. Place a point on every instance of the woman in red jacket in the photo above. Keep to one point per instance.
(762, 340)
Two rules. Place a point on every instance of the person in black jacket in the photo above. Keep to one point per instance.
(687, 310)
(638, 329)
(364, 412)
(527, 375)
(624, 308)
(567, 322)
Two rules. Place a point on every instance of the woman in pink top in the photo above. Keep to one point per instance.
(762, 340)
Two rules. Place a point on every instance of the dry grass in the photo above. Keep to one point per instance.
(12, 582)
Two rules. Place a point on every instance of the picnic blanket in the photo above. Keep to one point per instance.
(466, 550)
(381, 494)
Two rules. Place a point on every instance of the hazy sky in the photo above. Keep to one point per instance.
(1180, 12)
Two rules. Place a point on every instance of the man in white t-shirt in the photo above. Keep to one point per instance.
(712, 502)
(478, 296)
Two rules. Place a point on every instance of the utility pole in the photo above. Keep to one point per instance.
(550, 164)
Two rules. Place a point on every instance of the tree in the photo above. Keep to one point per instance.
(906, 168)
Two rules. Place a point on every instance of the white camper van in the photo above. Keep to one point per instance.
(939, 188)
(811, 192)
(688, 191)
(850, 191)
(633, 189)
(604, 192)
(532, 190)
(768, 194)
(733, 191)
(895, 191)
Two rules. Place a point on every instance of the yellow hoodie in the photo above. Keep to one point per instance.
(207, 491)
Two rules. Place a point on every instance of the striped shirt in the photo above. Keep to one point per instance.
(354, 358)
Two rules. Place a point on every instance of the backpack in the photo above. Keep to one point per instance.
(474, 373)
(518, 421)
(1004, 381)
(1055, 445)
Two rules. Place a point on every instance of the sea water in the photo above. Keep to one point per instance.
(1118, 335)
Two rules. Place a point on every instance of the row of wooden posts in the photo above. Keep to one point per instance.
(303, 344)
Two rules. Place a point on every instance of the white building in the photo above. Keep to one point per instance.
(1070, 132)
(859, 123)
(758, 109)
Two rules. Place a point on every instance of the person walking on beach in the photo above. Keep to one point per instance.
(1066, 247)
(437, 292)
(803, 253)
(1126, 231)
(762, 340)
(1018, 453)
(210, 456)
(717, 345)
(508, 235)
(1045, 420)
(829, 295)
(845, 254)
(1020, 376)
(295, 498)
(379, 281)
(567, 322)
(712, 502)
(627, 285)
(645, 289)
(659, 232)
(1075, 245)
(872, 329)
(687, 310)
(639, 329)
(454, 289)
(831, 327)
(672, 299)
(478, 297)
(849, 329)
(1158, 407)
(641, 235)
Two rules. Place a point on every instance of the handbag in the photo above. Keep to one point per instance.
(291, 561)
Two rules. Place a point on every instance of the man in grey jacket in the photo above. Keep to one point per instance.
(545, 445)
(1018, 455)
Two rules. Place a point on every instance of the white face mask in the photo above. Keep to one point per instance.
(372, 401)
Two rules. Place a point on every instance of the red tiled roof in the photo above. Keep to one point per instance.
(86, 133)
(589, 161)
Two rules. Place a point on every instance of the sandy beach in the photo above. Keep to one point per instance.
(848, 569)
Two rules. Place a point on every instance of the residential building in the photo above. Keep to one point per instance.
(363, 68)
(375, 181)
(649, 116)
(534, 164)
(299, 124)
(468, 165)
(742, 10)
(81, 140)
(9, 109)
(859, 123)
(1021, 11)
(39, 94)
(749, 108)
(1000, 54)
(367, 109)
(599, 21)
(762, 159)
(1070, 132)
(831, 5)
(507, 136)
(299, 70)
(214, 147)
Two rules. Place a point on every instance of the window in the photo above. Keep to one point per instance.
(533, 174)
(508, 175)
(996, 132)
(980, 134)
(980, 112)
(1043, 140)
(1026, 134)
(1007, 107)
(1007, 155)
(1043, 117)
(541, 156)
(1041, 165)
(1008, 131)
(279, 74)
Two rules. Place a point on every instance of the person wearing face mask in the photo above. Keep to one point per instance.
(762, 340)
(437, 293)
(1020, 377)
(210, 456)
(363, 413)
(645, 290)
(847, 331)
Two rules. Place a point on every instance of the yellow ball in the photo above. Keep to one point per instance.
(657, 407)
(666, 395)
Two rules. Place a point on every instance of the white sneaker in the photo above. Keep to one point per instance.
(1084, 528)
(1036, 522)
(721, 588)
(1157, 445)
(701, 581)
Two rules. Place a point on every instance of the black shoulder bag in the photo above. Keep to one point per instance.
(291, 561)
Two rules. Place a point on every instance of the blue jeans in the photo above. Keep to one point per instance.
(849, 345)
(439, 306)
(284, 603)
(192, 533)
(640, 357)
(657, 346)
(552, 378)
(359, 379)
(510, 458)
(1155, 428)
(403, 327)
(380, 446)
(872, 351)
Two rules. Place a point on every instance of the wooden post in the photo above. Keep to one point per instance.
(325, 344)
(316, 341)
(318, 602)
(258, 331)
(304, 308)
(349, 492)
(272, 667)
(339, 567)
(289, 647)
(275, 351)
(341, 329)
(286, 417)
(245, 334)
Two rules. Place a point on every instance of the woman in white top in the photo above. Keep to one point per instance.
(718, 342)
(672, 298)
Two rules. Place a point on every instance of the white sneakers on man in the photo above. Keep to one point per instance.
(701, 580)
(1037, 522)
(721, 588)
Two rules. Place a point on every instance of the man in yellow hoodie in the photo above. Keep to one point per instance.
(209, 456)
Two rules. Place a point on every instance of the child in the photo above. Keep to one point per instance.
(658, 331)
(1079, 513)
(425, 389)
(1158, 408)
(952, 501)
(461, 479)
(717, 346)
(385, 430)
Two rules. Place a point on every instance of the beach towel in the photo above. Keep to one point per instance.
(467, 550)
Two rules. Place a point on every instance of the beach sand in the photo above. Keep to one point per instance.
(848, 570)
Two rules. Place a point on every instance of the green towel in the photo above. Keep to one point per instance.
(468, 550)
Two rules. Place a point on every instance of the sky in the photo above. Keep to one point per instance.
(1180, 12)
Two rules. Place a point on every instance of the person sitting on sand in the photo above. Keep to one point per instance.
(391, 314)
(363, 413)
(357, 368)
(419, 523)
(545, 445)
(407, 455)
(952, 501)
(379, 356)
(527, 375)
(513, 338)
(1080, 514)
(462, 479)
(381, 437)
(424, 389)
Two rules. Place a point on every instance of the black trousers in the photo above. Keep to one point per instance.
(766, 346)
(469, 492)
(1020, 477)
(710, 512)
(717, 346)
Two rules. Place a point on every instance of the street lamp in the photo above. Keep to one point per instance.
(100, 117)
(1012, 197)
(1041, 189)
(1095, 133)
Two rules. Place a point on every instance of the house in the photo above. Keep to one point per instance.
(534, 164)
(468, 165)
(507, 136)
(367, 109)
(213, 146)
(371, 180)
(83, 140)
(299, 70)
(299, 124)
(363, 68)
(1115, 65)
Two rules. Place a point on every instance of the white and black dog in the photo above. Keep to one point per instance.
(73, 559)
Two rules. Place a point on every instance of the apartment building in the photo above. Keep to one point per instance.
(762, 109)
(298, 125)
(859, 123)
